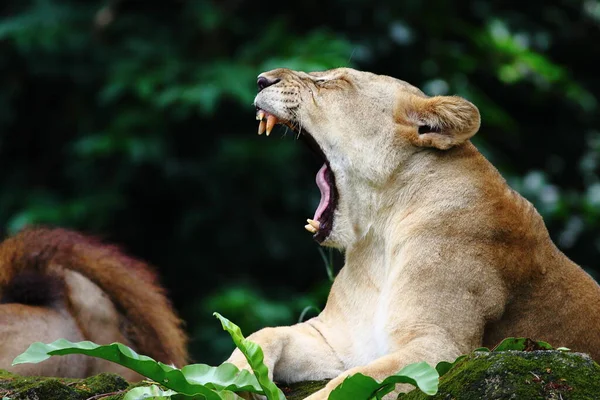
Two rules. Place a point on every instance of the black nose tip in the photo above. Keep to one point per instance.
(263, 82)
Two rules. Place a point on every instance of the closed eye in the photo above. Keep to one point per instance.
(328, 82)
(324, 79)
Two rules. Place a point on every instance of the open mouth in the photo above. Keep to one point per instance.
(321, 223)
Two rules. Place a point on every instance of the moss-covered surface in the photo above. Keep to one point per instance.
(535, 375)
(298, 391)
(26, 388)
(104, 386)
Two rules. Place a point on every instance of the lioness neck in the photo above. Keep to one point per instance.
(431, 196)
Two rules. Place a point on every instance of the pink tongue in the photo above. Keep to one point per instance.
(325, 191)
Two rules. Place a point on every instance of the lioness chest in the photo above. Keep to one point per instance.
(362, 313)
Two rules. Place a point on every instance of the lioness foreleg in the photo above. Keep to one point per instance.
(293, 353)
(431, 349)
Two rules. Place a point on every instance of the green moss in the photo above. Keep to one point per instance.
(300, 390)
(543, 375)
(534, 375)
(50, 389)
(103, 383)
(17, 387)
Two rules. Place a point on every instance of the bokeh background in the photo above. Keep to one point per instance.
(133, 121)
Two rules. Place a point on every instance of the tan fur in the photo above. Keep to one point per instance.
(105, 296)
(441, 255)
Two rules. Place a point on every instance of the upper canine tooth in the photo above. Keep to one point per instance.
(261, 126)
(271, 121)
(260, 115)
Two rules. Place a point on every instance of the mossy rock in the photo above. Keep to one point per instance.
(533, 375)
(43, 388)
(300, 390)
(18, 387)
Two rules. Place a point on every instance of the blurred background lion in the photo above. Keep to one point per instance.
(56, 283)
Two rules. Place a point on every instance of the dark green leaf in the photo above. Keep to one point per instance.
(521, 344)
(361, 387)
(194, 379)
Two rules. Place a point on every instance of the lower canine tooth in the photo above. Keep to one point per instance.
(310, 228)
(314, 224)
(261, 127)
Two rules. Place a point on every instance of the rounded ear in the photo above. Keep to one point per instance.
(443, 121)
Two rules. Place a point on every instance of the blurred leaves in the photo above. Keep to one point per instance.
(253, 310)
(135, 122)
(521, 62)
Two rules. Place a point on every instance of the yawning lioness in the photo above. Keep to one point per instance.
(441, 255)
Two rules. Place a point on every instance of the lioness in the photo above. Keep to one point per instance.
(441, 256)
(56, 283)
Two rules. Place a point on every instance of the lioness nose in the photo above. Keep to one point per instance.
(263, 82)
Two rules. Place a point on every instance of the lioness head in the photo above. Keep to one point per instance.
(365, 127)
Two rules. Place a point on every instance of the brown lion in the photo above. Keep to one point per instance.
(56, 283)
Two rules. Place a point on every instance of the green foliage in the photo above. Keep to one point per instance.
(359, 386)
(155, 392)
(199, 381)
(522, 344)
(255, 357)
(213, 383)
(145, 392)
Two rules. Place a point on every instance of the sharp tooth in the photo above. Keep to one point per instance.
(314, 224)
(261, 127)
(310, 228)
(271, 121)
(260, 115)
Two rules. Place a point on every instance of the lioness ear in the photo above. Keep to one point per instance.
(443, 121)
